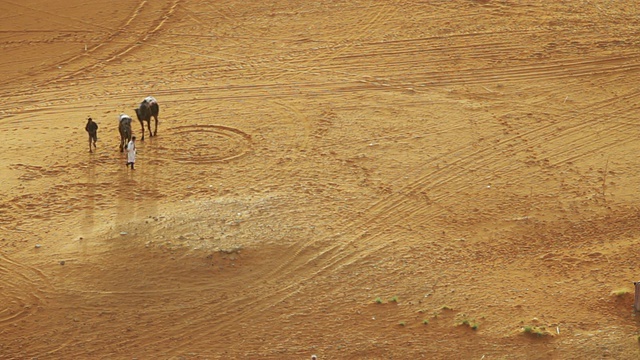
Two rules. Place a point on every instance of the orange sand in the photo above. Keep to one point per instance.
(471, 164)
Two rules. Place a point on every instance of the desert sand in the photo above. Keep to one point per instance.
(350, 179)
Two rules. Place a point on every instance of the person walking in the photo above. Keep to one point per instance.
(92, 130)
(131, 152)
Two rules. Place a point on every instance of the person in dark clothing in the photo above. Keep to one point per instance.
(92, 129)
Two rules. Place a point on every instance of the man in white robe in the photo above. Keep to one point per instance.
(131, 152)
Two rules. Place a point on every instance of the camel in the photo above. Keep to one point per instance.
(124, 127)
(148, 108)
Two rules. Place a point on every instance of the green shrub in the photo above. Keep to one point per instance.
(538, 331)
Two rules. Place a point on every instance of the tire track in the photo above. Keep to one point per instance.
(231, 144)
(116, 54)
(110, 49)
(395, 208)
(391, 210)
(367, 231)
(23, 290)
(297, 118)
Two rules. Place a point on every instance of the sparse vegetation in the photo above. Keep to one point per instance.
(394, 299)
(538, 331)
(425, 322)
(472, 323)
(402, 323)
(620, 292)
(378, 300)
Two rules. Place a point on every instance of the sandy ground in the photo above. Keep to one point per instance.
(351, 179)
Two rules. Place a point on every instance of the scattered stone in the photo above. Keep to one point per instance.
(38, 246)
(231, 250)
(62, 262)
(123, 233)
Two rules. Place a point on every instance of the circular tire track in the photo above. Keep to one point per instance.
(202, 144)
(20, 290)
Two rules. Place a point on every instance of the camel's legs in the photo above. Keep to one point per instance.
(156, 130)
(142, 125)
